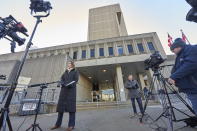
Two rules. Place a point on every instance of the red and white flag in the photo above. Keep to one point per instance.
(184, 38)
(170, 41)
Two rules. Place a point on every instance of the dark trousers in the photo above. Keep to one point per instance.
(193, 99)
(139, 101)
(71, 122)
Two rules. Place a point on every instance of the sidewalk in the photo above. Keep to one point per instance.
(96, 120)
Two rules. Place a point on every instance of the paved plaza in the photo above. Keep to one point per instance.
(116, 119)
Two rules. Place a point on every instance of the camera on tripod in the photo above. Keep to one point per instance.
(9, 26)
(154, 61)
(192, 14)
(40, 6)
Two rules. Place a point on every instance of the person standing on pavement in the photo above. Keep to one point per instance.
(67, 98)
(134, 94)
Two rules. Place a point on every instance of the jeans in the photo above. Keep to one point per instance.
(139, 101)
(193, 99)
(71, 122)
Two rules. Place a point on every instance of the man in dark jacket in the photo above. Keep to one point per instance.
(184, 73)
(67, 98)
(134, 94)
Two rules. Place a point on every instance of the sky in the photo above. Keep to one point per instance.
(68, 22)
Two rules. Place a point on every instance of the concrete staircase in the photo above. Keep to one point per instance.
(101, 105)
(50, 108)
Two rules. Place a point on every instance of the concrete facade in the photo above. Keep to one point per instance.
(48, 64)
(106, 22)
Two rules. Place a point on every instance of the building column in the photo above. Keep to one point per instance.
(71, 53)
(120, 84)
(115, 49)
(125, 49)
(106, 53)
(141, 79)
(79, 53)
(135, 48)
(87, 52)
(145, 46)
(63, 51)
(96, 51)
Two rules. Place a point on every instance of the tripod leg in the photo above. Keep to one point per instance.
(1, 119)
(169, 113)
(5, 115)
(160, 116)
(29, 128)
(9, 124)
(179, 96)
(147, 98)
(39, 128)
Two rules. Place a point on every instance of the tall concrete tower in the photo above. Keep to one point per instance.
(106, 22)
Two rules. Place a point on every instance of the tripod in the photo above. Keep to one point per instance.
(5, 110)
(168, 108)
(35, 125)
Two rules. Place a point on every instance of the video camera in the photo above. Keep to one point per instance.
(40, 6)
(192, 14)
(9, 26)
(154, 61)
(2, 77)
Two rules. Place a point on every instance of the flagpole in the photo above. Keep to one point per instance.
(185, 36)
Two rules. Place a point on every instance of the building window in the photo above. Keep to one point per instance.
(111, 51)
(151, 46)
(83, 54)
(140, 47)
(130, 49)
(92, 53)
(120, 50)
(119, 14)
(101, 51)
(75, 55)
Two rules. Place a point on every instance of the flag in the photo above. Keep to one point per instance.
(170, 41)
(184, 38)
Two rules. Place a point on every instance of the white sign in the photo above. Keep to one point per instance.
(29, 106)
(24, 80)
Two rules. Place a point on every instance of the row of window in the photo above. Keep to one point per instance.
(119, 50)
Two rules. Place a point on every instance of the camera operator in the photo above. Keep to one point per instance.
(67, 98)
(134, 93)
(184, 72)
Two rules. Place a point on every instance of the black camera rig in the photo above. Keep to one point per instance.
(2, 77)
(40, 6)
(9, 27)
(163, 90)
(154, 61)
(36, 6)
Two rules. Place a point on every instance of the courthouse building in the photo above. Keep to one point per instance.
(104, 61)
